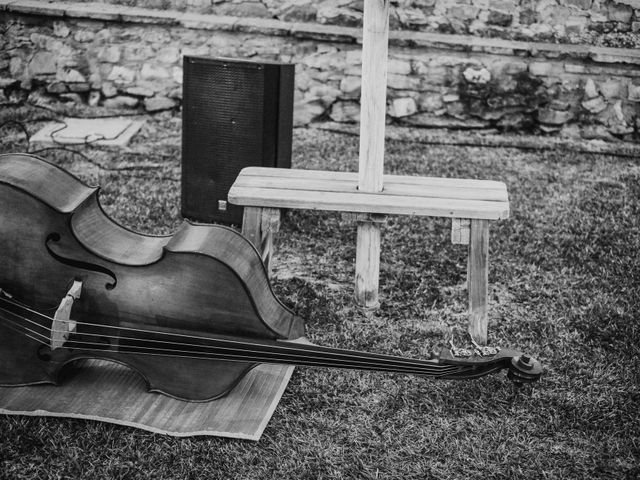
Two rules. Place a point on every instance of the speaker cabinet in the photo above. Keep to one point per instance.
(235, 114)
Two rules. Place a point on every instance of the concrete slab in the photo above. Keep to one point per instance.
(110, 132)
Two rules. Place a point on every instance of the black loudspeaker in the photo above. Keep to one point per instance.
(235, 114)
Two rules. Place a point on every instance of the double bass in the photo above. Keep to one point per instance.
(192, 312)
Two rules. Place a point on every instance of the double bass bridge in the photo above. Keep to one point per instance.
(62, 326)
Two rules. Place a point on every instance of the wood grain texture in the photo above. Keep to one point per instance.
(478, 281)
(109, 392)
(203, 280)
(304, 175)
(402, 195)
(251, 225)
(269, 227)
(460, 231)
(373, 101)
(367, 264)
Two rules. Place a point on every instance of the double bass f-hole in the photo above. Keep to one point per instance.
(50, 242)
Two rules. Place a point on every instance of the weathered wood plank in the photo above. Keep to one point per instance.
(367, 264)
(284, 173)
(110, 392)
(251, 226)
(370, 203)
(478, 281)
(460, 231)
(461, 190)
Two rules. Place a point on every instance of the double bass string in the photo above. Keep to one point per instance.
(224, 349)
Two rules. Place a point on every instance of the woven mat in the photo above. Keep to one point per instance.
(110, 392)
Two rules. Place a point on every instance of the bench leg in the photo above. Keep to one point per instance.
(367, 264)
(251, 225)
(260, 225)
(477, 280)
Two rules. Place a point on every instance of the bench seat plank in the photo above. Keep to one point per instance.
(402, 195)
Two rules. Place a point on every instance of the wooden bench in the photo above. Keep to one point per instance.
(471, 204)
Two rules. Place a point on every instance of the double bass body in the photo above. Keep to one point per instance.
(207, 280)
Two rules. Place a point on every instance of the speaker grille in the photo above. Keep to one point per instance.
(232, 114)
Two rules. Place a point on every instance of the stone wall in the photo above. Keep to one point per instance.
(124, 57)
(603, 22)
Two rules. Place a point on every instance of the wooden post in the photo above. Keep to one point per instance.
(477, 280)
(373, 106)
(251, 225)
(260, 225)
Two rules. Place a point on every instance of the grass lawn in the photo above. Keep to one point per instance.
(565, 287)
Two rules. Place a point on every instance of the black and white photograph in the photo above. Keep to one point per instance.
(330, 239)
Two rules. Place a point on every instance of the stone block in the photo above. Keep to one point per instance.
(84, 36)
(554, 117)
(110, 54)
(612, 89)
(581, 4)
(456, 110)
(515, 66)
(139, 91)
(121, 75)
(176, 94)
(499, 19)
(81, 87)
(194, 51)
(137, 53)
(8, 82)
(56, 88)
(398, 66)
(463, 12)
(108, 90)
(60, 29)
(634, 93)
(411, 17)
(474, 75)
(94, 98)
(177, 74)
(329, 60)
(42, 63)
(575, 25)
(432, 102)
(168, 55)
(433, 75)
(345, 112)
(343, 17)
(403, 82)
(595, 105)
(514, 121)
(402, 107)
(590, 90)
(157, 104)
(541, 69)
(293, 12)
(120, 101)
(325, 94)
(150, 72)
(70, 75)
(306, 112)
(619, 12)
(350, 86)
